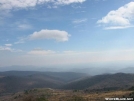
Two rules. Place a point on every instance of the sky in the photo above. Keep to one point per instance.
(93, 33)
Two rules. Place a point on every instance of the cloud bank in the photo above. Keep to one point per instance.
(40, 57)
(119, 19)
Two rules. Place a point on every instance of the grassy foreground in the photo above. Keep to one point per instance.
(64, 95)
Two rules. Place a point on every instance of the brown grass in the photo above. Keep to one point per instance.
(63, 95)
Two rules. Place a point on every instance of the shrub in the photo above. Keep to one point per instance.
(26, 92)
(41, 99)
(77, 98)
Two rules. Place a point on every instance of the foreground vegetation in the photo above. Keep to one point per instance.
(65, 95)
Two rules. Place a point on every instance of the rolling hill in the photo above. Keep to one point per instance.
(103, 82)
(14, 81)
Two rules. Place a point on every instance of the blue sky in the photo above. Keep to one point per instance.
(67, 32)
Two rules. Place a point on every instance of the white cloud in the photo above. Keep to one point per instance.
(50, 34)
(60, 36)
(24, 26)
(21, 40)
(70, 52)
(41, 52)
(79, 20)
(13, 4)
(8, 48)
(23, 4)
(69, 1)
(45, 1)
(119, 19)
(8, 45)
(5, 48)
(118, 27)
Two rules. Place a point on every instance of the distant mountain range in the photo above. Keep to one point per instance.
(103, 82)
(88, 70)
(97, 71)
(14, 81)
